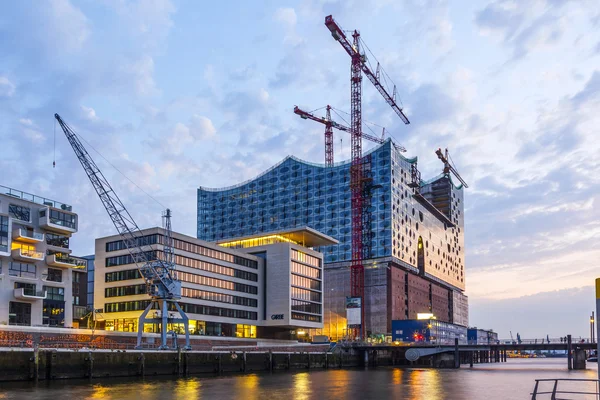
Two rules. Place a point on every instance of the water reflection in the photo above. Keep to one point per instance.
(397, 376)
(188, 389)
(425, 384)
(247, 386)
(302, 387)
(99, 392)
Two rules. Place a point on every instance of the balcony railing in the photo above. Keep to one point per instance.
(71, 260)
(31, 234)
(33, 198)
(58, 242)
(27, 254)
(60, 222)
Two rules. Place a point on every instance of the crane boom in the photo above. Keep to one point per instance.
(339, 35)
(158, 274)
(327, 121)
(448, 168)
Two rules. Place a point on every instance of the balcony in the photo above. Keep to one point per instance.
(27, 236)
(29, 294)
(59, 221)
(26, 255)
(64, 261)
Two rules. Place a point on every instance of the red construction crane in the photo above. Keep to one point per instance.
(330, 124)
(357, 172)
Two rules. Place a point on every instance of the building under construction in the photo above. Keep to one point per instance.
(413, 236)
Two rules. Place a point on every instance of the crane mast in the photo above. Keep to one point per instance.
(161, 284)
(360, 168)
(448, 168)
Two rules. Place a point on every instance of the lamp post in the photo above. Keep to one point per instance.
(592, 322)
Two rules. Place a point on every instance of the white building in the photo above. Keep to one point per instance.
(35, 263)
(267, 286)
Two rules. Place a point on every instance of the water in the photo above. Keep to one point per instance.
(511, 380)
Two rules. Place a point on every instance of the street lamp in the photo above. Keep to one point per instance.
(592, 338)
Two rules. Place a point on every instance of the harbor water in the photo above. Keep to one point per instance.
(512, 380)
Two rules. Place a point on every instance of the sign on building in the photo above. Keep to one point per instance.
(353, 311)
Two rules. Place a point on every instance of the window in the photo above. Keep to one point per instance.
(54, 293)
(19, 212)
(23, 270)
(62, 219)
(55, 275)
(3, 233)
(53, 239)
(28, 288)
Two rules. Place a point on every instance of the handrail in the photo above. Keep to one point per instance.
(555, 388)
(32, 198)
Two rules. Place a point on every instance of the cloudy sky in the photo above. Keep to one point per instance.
(178, 95)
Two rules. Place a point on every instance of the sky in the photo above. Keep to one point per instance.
(179, 94)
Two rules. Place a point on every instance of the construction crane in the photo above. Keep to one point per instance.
(448, 168)
(330, 124)
(162, 285)
(357, 170)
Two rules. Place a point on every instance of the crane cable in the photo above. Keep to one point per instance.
(109, 163)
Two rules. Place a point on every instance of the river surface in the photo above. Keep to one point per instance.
(511, 380)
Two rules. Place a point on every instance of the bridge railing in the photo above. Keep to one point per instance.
(544, 341)
(582, 388)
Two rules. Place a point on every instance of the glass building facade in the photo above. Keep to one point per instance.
(417, 234)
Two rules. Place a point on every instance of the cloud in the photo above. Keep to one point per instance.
(7, 88)
(286, 16)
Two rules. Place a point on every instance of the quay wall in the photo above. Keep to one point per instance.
(45, 364)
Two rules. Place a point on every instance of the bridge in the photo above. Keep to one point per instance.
(479, 353)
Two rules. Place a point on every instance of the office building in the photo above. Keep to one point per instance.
(36, 266)
(414, 241)
(267, 286)
(431, 331)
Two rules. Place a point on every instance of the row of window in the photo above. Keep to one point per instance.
(185, 277)
(305, 306)
(122, 275)
(57, 240)
(62, 219)
(305, 258)
(217, 269)
(185, 246)
(23, 270)
(186, 262)
(302, 269)
(187, 308)
(303, 282)
(55, 275)
(214, 282)
(140, 241)
(127, 259)
(304, 294)
(218, 297)
(306, 317)
(130, 290)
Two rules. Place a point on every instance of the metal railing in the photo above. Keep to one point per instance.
(33, 198)
(558, 340)
(70, 260)
(594, 384)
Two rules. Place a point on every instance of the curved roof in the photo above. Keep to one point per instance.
(296, 159)
(427, 182)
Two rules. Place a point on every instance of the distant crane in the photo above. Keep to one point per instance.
(330, 124)
(359, 65)
(448, 168)
(162, 285)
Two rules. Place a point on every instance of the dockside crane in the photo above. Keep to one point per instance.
(448, 167)
(162, 285)
(330, 124)
(359, 65)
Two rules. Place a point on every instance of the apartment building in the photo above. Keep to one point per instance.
(36, 266)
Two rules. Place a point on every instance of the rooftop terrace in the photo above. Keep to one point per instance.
(19, 194)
